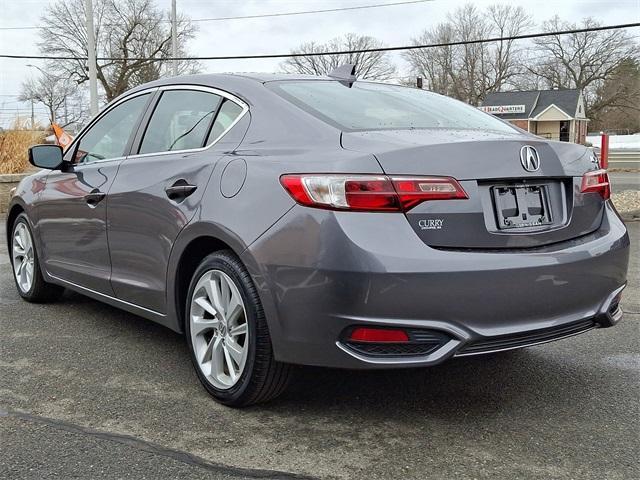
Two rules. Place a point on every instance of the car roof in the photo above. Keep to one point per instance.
(272, 77)
(238, 84)
(214, 79)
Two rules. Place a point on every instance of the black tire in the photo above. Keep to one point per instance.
(263, 378)
(40, 291)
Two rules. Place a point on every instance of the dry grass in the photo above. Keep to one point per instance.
(14, 144)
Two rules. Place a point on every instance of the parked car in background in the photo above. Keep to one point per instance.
(278, 220)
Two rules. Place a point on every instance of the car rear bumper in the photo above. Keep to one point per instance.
(320, 273)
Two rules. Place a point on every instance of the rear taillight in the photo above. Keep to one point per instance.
(369, 193)
(596, 182)
(413, 191)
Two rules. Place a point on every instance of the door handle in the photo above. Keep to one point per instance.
(94, 197)
(180, 190)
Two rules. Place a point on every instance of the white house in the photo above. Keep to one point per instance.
(554, 114)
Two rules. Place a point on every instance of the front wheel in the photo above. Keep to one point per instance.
(228, 335)
(26, 268)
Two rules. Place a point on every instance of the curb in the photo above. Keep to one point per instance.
(631, 215)
(12, 177)
(7, 182)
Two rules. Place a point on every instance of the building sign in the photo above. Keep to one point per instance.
(502, 109)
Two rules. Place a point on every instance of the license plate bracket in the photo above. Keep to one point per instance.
(521, 206)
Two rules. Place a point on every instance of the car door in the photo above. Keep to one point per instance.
(159, 187)
(73, 212)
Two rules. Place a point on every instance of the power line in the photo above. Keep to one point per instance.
(343, 52)
(328, 10)
(267, 15)
(24, 109)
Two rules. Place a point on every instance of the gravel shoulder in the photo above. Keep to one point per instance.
(628, 204)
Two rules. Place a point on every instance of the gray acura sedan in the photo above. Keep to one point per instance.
(279, 220)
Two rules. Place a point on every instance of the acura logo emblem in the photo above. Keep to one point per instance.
(529, 158)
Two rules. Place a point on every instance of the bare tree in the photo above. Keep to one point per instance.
(581, 60)
(468, 72)
(58, 95)
(435, 65)
(617, 101)
(135, 32)
(370, 65)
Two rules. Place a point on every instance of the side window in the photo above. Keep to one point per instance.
(180, 121)
(108, 137)
(229, 111)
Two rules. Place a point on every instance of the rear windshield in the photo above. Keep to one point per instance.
(374, 106)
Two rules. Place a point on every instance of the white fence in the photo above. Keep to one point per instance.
(618, 142)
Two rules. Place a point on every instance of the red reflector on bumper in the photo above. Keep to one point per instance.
(378, 335)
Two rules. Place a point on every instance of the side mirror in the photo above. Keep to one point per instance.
(46, 156)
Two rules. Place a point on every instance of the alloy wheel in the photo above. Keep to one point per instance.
(23, 257)
(219, 329)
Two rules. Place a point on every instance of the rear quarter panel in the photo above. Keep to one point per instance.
(280, 139)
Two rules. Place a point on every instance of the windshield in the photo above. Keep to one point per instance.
(374, 106)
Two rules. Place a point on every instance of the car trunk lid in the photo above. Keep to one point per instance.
(508, 206)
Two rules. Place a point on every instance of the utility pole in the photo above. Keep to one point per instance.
(91, 58)
(174, 37)
(33, 120)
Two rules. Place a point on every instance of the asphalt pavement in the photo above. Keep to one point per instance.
(88, 391)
